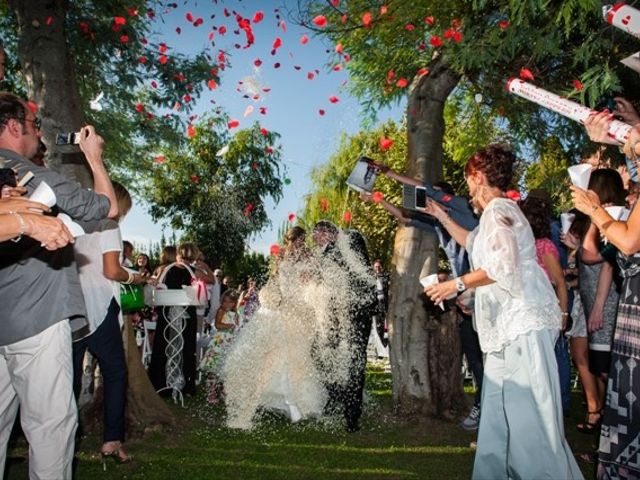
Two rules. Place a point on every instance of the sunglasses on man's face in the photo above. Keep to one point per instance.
(37, 122)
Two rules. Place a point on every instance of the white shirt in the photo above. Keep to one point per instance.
(97, 289)
(522, 298)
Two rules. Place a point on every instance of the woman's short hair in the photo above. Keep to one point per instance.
(538, 212)
(496, 162)
(188, 251)
(293, 234)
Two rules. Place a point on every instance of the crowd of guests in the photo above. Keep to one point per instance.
(543, 292)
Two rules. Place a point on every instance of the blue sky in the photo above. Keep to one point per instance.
(308, 139)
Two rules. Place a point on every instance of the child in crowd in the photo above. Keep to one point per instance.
(227, 322)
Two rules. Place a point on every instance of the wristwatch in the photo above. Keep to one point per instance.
(460, 286)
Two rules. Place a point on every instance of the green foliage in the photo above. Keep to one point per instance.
(250, 265)
(125, 71)
(217, 200)
(550, 173)
(331, 197)
(557, 41)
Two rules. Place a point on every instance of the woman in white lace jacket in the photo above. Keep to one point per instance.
(518, 321)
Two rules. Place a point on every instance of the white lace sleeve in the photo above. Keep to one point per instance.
(501, 256)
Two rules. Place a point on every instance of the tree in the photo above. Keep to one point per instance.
(216, 197)
(71, 51)
(422, 51)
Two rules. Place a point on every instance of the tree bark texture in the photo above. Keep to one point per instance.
(425, 358)
(49, 71)
(145, 409)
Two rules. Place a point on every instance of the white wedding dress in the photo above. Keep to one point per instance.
(270, 365)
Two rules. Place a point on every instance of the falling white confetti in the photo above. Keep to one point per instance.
(222, 152)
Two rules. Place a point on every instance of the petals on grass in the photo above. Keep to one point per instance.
(503, 24)
(429, 20)
(347, 217)
(577, 84)
(160, 159)
(377, 197)
(324, 204)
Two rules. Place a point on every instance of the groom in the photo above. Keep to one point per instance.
(362, 305)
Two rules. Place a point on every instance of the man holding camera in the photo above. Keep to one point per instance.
(42, 299)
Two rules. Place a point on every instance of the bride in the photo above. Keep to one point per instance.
(270, 365)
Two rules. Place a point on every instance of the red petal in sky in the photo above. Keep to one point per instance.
(291, 217)
(189, 17)
(320, 21)
(222, 29)
(334, 99)
(277, 43)
(274, 250)
(178, 30)
(283, 26)
(339, 48)
(402, 82)
(199, 21)
(191, 131)
(335, 3)
(321, 112)
(119, 20)
(257, 62)
(304, 39)
(139, 107)
(264, 132)
(310, 76)
(233, 123)
(258, 17)
(526, 74)
(366, 19)
(162, 47)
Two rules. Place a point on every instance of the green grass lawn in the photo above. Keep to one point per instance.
(385, 448)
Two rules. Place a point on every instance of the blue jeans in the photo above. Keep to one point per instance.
(106, 345)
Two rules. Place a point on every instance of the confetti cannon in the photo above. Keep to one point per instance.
(567, 108)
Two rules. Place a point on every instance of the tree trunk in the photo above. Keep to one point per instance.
(145, 409)
(425, 358)
(49, 72)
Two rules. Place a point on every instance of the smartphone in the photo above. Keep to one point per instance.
(68, 138)
(421, 197)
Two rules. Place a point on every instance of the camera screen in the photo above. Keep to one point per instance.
(421, 197)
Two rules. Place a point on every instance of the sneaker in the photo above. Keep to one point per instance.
(472, 422)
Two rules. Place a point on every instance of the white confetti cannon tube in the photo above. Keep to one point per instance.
(617, 130)
(624, 17)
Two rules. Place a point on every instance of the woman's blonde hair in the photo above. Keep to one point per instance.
(168, 255)
(188, 252)
(123, 198)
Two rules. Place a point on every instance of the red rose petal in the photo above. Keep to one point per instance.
(526, 74)
(347, 217)
(366, 19)
(304, 39)
(274, 250)
(291, 217)
(124, 38)
(324, 204)
(189, 17)
(321, 112)
(577, 84)
(320, 21)
(429, 20)
(277, 43)
(258, 17)
(402, 83)
(222, 29)
(212, 84)
(233, 123)
(377, 197)
(385, 143)
(423, 71)
(191, 131)
(310, 76)
(159, 159)
(334, 99)
(139, 107)
(119, 20)
(257, 62)
(504, 24)
(435, 41)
